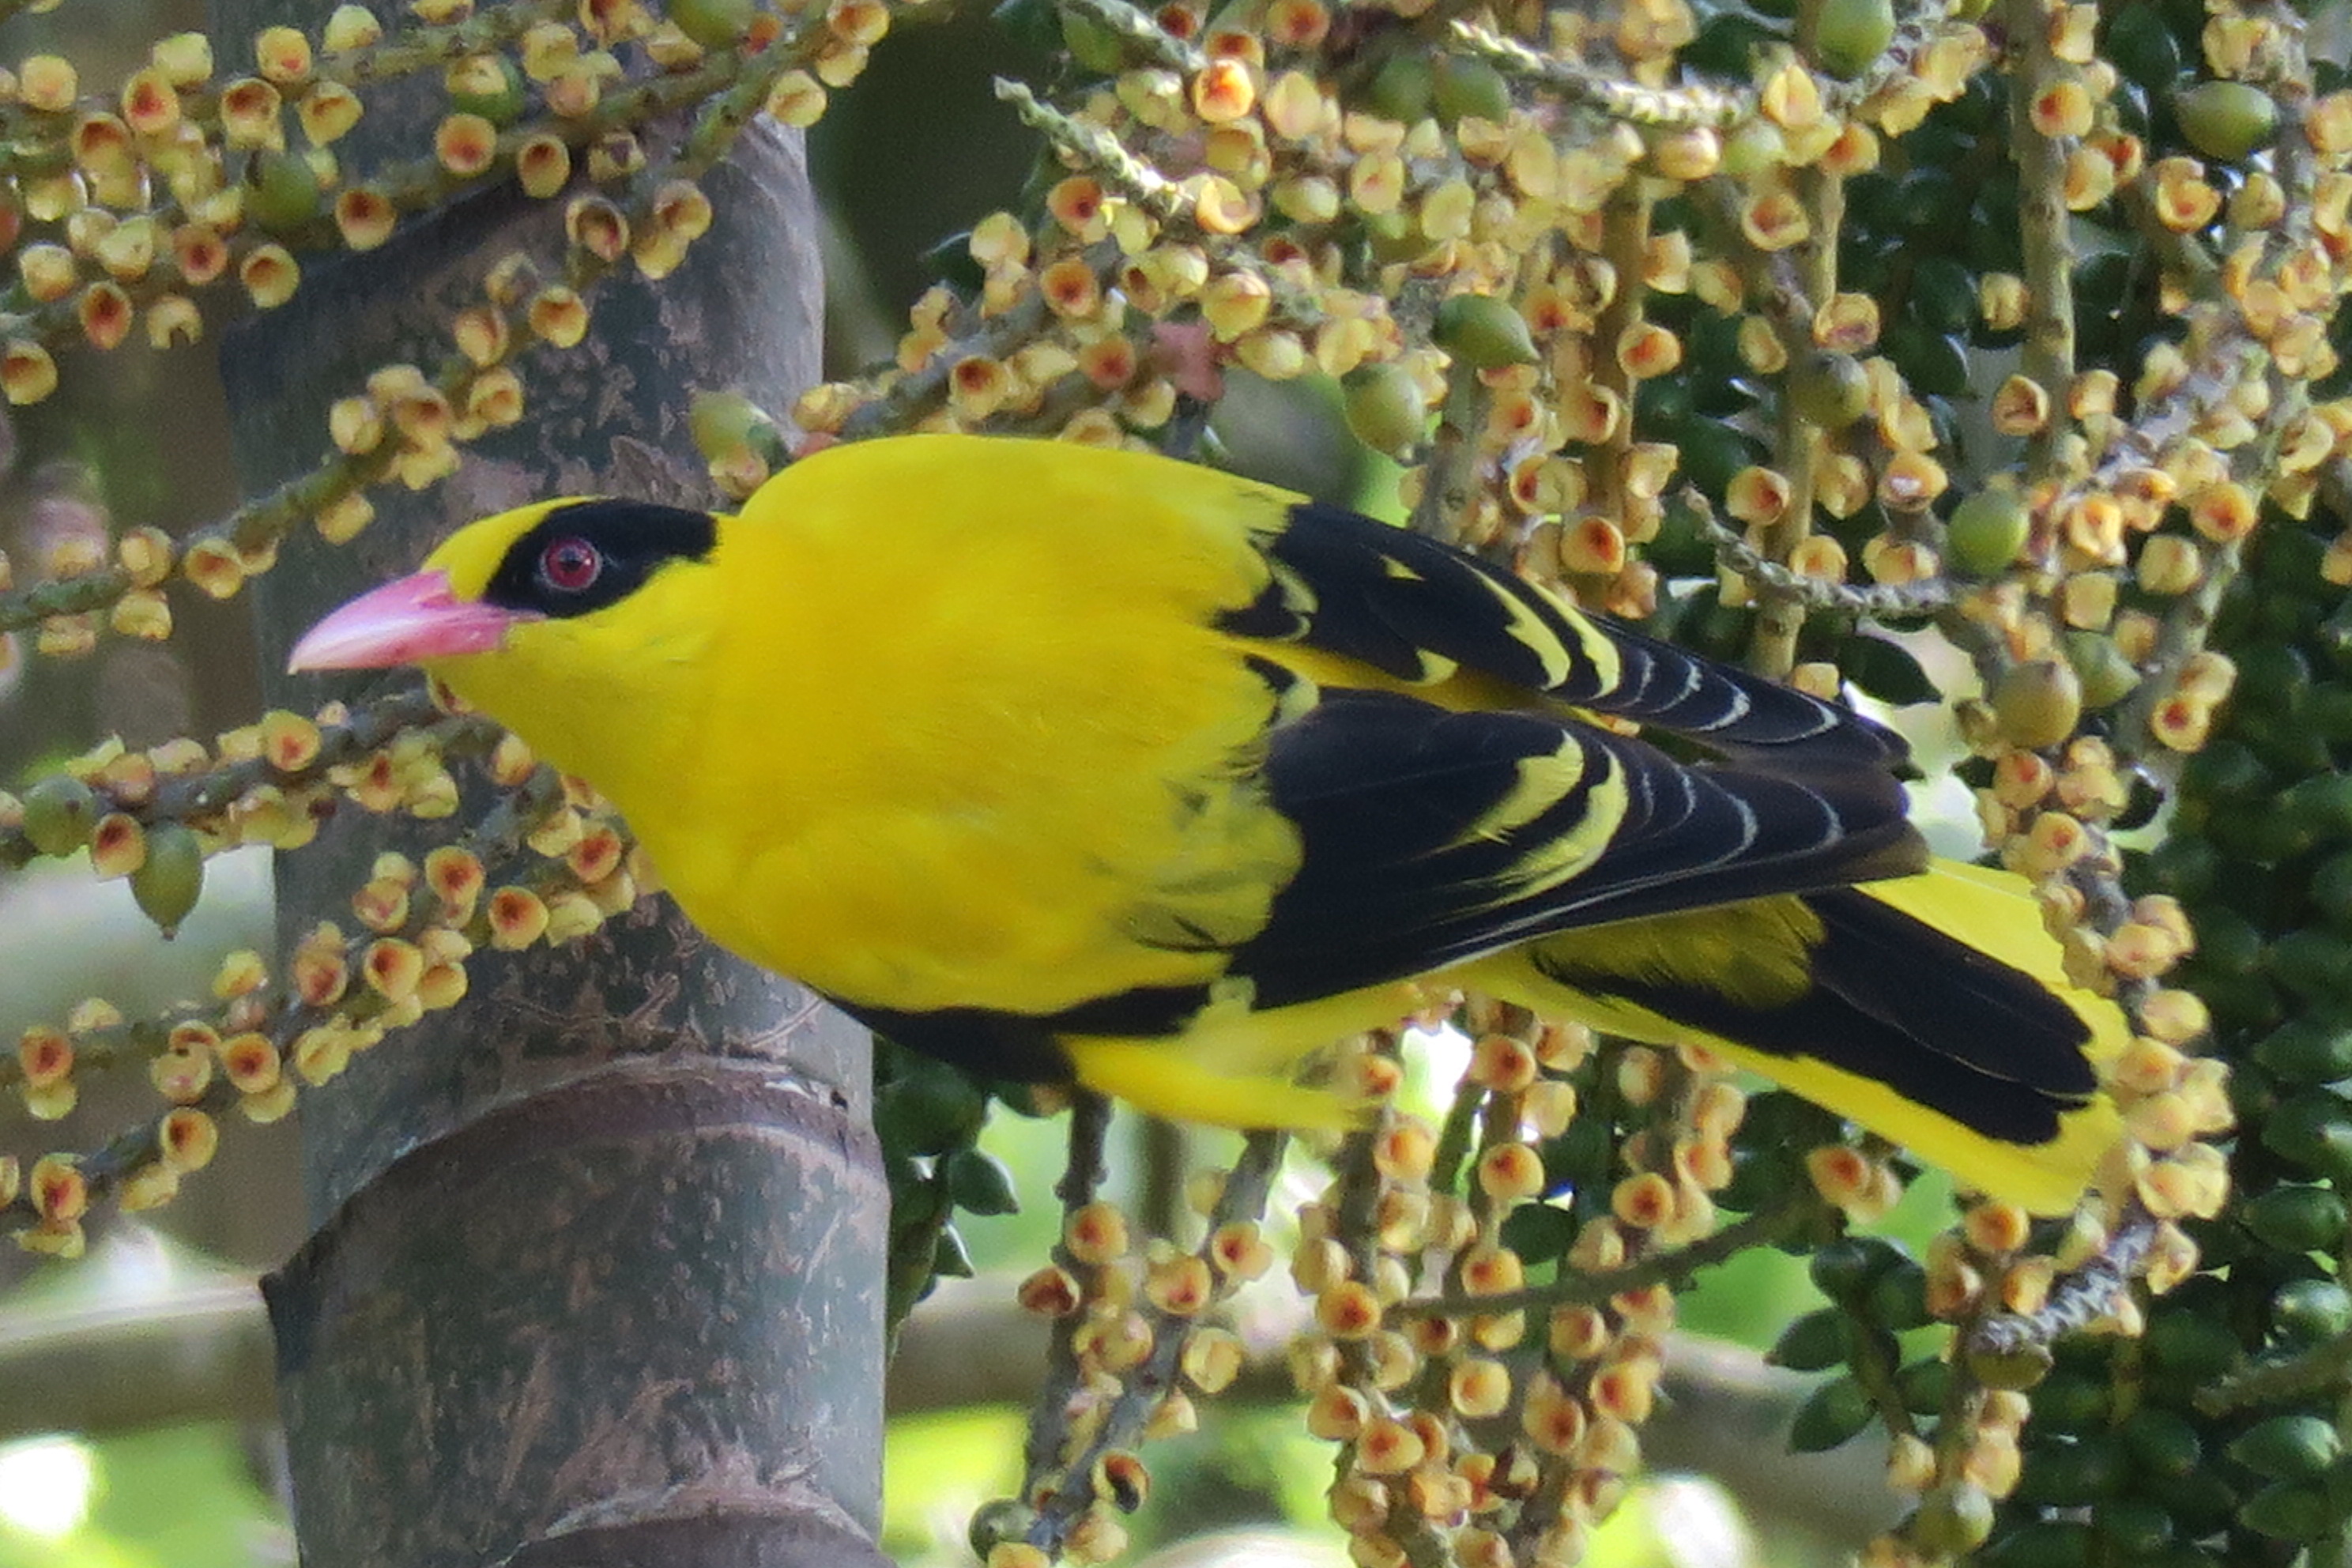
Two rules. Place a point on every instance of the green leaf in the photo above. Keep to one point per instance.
(1886, 670)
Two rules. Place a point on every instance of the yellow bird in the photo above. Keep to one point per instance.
(1064, 763)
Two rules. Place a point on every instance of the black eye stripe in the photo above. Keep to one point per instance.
(630, 540)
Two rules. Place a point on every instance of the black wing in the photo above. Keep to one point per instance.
(1417, 611)
(1431, 836)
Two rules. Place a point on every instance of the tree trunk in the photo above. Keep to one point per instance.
(597, 1276)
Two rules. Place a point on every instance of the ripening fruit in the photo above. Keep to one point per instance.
(1830, 390)
(1953, 1521)
(2226, 120)
(1464, 87)
(59, 812)
(713, 24)
(1400, 89)
(281, 190)
(721, 422)
(169, 881)
(1006, 1520)
(2038, 703)
(1483, 331)
(2107, 676)
(1848, 34)
(1986, 533)
(2022, 1367)
(1393, 237)
(1091, 44)
(490, 86)
(1384, 406)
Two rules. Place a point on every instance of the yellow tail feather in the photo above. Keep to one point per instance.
(1989, 911)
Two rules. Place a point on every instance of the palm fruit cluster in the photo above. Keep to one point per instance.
(1779, 325)
(2229, 1449)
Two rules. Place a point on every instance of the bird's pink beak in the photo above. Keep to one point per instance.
(415, 618)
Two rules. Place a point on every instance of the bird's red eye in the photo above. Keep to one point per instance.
(570, 565)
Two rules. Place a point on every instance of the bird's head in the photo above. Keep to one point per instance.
(492, 583)
(559, 619)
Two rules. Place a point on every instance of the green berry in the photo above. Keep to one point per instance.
(1006, 1520)
(2226, 120)
(2142, 46)
(2314, 1130)
(1091, 44)
(2161, 1442)
(1943, 294)
(2134, 1529)
(1849, 35)
(2287, 1447)
(2295, 1218)
(1463, 86)
(1814, 1343)
(2189, 1347)
(931, 1110)
(2272, 678)
(2074, 1474)
(2038, 703)
(981, 1183)
(2226, 770)
(2325, 805)
(1830, 390)
(2288, 1511)
(1727, 44)
(2185, 866)
(2020, 1368)
(720, 422)
(1832, 1414)
(1394, 237)
(1952, 1521)
(2070, 1402)
(490, 86)
(1897, 1296)
(2314, 965)
(171, 879)
(1924, 1382)
(59, 812)
(1401, 86)
(2107, 676)
(1844, 1268)
(1538, 1230)
(2200, 1503)
(1385, 407)
(2309, 1312)
(281, 191)
(2048, 1543)
(2314, 1048)
(1985, 532)
(1483, 332)
(950, 1261)
(713, 24)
